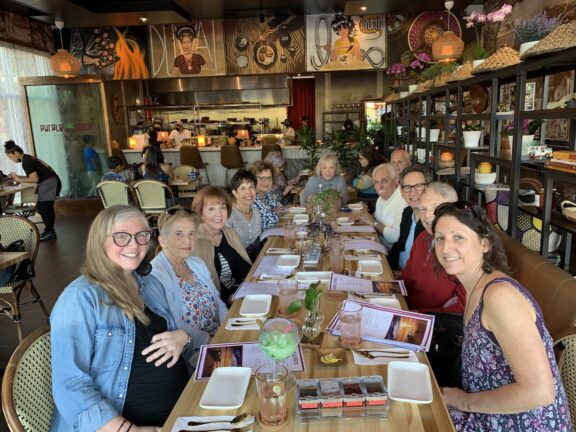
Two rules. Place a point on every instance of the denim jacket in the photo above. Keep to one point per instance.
(92, 351)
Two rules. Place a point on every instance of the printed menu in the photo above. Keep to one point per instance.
(340, 282)
(246, 354)
(410, 330)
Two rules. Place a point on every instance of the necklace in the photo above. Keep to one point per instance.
(470, 296)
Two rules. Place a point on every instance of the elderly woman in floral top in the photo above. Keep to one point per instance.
(265, 203)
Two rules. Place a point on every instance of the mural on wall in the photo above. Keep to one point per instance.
(25, 31)
(341, 42)
(272, 45)
(187, 50)
(115, 53)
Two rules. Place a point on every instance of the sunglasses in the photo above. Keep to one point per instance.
(460, 205)
(122, 239)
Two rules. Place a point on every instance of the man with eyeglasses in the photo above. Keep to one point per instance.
(389, 205)
(413, 181)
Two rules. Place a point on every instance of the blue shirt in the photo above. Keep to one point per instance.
(266, 204)
(405, 254)
(92, 350)
(89, 156)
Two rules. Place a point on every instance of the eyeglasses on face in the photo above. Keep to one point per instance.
(417, 187)
(263, 178)
(122, 239)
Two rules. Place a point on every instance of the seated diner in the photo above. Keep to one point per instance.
(268, 206)
(326, 176)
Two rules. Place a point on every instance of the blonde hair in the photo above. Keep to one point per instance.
(100, 270)
(327, 157)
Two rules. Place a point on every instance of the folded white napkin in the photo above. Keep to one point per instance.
(222, 423)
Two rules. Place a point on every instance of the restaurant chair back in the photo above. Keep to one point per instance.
(113, 192)
(230, 158)
(267, 148)
(27, 401)
(27, 206)
(152, 196)
(189, 190)
(190, 155)
(13, 228)
(565, 349)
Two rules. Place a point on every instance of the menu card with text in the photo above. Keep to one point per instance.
(340, 282)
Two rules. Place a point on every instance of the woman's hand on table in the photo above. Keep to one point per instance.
(165, 347)
(454, 397)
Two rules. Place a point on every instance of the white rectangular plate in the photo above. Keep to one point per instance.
(289, 261)
(409, 382)
(296, 210)
(255, 305)
(355, 206)
(323, 276)
(370, 268)
(301, 219)
(226, 388)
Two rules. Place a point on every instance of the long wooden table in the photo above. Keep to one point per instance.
(402, 417)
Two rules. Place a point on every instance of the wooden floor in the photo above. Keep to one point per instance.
(57, 264)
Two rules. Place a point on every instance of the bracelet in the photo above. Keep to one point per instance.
(122, 425)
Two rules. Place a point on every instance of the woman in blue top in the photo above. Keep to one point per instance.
(116, 353)
(154, 167)
(265, 203)
(369, 159)
(193, 299)
(326, 176)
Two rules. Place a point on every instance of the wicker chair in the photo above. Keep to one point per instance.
(190, 155)
(14, 228)
(114, 192)
(152, 195)
(27, 384)
(27, 206)
(189, 190)
(565, 347)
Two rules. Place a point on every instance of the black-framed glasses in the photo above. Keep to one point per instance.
(263, 178)
(122, 239)
(417, 187)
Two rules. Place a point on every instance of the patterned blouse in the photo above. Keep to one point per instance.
(485, 368)
(248, 230)
(201, 308)
(192, 67)
(266, 205)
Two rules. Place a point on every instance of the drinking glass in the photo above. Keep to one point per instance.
(272, 382)
(302, 241)
(350, 324)
(287, 291)
(289, 232)
(336, 255)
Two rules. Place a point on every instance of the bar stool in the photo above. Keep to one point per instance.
(230, 158)
(267, 148)
(190, 155)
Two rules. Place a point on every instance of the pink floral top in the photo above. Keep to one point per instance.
(200, 309)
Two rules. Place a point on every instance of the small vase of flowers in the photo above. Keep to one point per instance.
(530, 30)
(476, 20)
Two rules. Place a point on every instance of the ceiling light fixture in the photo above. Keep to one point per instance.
(63, 63)
(143, 19)
(448, 47)
(363, 8)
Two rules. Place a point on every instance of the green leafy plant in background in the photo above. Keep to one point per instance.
(472, 127)
(345, 151)
(310, 300)
(436, 70)
(306, 138)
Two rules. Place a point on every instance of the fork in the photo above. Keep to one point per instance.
(242, 429)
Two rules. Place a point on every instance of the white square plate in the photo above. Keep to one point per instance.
(226, 388)
(288, 261)
(301, 219)
(356, 207)
(296, 210)
(370, 268)
(322, 276)
(256, 305)
(409, 382)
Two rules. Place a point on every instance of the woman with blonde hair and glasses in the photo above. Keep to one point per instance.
(116, 352)
(193, 299)
(326, 176)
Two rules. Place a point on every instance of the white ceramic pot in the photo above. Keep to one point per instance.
(434, 134)
(412, 88)
(476, 63)
(527, 45)
(421, 133)
(399, 129)
(472, 138)
(421, 155)
(527, 141)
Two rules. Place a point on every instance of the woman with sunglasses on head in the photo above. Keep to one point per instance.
(510, 377)
(193, 299)
(116, 353)
(217, 245)
(244, 218)
(265, 203)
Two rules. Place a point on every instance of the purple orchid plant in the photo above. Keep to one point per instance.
(477, 19)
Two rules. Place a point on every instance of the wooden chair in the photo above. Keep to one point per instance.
(27, 206)
(189, 190)
(27, 384)
(113, 192)
(565, 348)
(14, 228)
(230, 158)
(267, 148)
(152, 195)
(190, 155)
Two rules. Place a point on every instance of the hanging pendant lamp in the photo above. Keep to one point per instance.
(448, 47)
(63, 63)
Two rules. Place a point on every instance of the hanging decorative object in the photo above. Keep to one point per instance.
(63, 63)
(448, 47)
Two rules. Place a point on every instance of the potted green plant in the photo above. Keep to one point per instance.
(327, 201)
(472, 133)
(345, 151)
(436, 70)
(530, 30)
(306, 138)
(312, 324)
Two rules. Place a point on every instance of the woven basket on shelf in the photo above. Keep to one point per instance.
(425, 86)
(440, 80)
(562, 37)
(463, 73)
(502, 58)
(569, 210)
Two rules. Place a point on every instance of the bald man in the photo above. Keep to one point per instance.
(390, 204)
(400, 158)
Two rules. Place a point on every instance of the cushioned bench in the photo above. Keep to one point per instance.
(552, 287)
